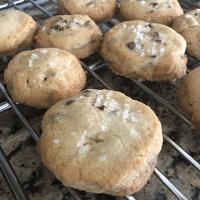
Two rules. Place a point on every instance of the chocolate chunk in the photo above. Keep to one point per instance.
(101, 107)
(154, 4)
(58, 28)
(89, 3)
(156, 37)
(87, 23)
(27, 81)
(149, 26)
(45, 78)
(131, 45)
(156, 34)
(151, 11)
(69, 102)
(87, 91)
(153, 56)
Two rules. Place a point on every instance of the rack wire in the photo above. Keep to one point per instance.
(7, 170)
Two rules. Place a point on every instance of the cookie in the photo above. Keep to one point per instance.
(101, 141)
(99, 11)
(158, 11)
(17, 31)
(188, 25)
(41, 77)
(77, 34)
(145, 51)
(188, 96)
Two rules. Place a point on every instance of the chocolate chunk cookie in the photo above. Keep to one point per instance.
(17, 31)
(77, 34)
(99, 11)
(145, 51)
(188, 25)
(159, 11)
(188, 96)
(41, 77)
(101, 141)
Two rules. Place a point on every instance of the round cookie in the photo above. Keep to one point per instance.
(145, 51)
(77, 34)
(41, 77)
(188, 96)
(99, 11)
(101, 141)
(188, 25)
(17, 31)
(159, 11)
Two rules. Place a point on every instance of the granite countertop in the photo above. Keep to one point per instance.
(41, 185)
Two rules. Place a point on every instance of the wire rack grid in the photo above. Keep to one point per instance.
(92, 69)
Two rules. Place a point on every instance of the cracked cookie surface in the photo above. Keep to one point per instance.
(101, 141)
(77, 34)
(98, 10)
(188, 96)
(159, 11)
(188, 25)
(145, 51)
(41, 77)
(17, 31)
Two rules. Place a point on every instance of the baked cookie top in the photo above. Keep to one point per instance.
(98, 10)
(15, 26)
(70, 32)
(144, 49)
(188, 96)
(188, 20)
(160, 11)
(101, 141)
(41, 77)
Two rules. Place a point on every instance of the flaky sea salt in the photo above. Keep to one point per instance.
(34, 56)
(162, 50)
(109, 94)
(133, 118)
(125, 114)
(30, 63)
(111, 104)
(142, 3)
(44, 51)
(103, 158)
(98, 100)
(103, 127)
(56, 141)
(84, 149)
(133, 132)
(51, 65)
(43, 28)
(138, 46)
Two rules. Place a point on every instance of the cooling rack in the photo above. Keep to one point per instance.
(92, 70)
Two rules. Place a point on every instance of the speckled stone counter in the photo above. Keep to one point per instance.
(41, 185)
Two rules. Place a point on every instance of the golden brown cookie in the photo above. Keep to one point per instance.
(99, 11)
(101, 141)
(77, 34)
(188, 25)
(17, 31)
(145, 51)
(159, 11)
(41, 77)
(188, 96)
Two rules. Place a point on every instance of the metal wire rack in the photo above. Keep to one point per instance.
(6, 168)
